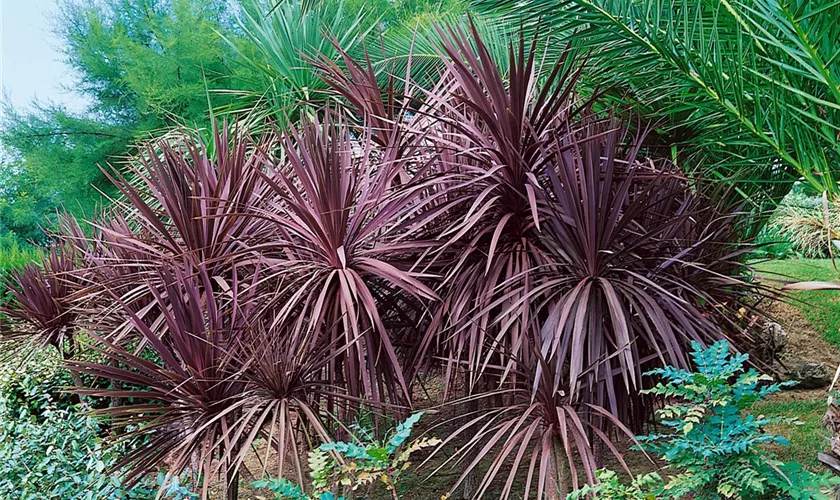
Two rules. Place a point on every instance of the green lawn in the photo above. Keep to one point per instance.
(821, 308)
(806, 439)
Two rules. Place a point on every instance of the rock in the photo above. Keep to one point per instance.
(775, 335)
(808, 374)
(773, 339)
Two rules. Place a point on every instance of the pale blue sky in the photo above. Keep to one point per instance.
(30, 58)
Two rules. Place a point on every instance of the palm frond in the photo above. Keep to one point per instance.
(746, 90)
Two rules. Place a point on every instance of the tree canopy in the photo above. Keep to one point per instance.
(143, 64)
(147, 65)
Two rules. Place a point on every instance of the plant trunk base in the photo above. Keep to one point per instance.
(232, 487)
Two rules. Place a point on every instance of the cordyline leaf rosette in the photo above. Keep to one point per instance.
(494, 129)
(637, 265)
(222, 381)
(102, 260)
(398, 127)
(344, 271)
(189, 206)
(42, 297)
(537, 443)
(391, 119)
(183, 208)
(622, 237)
(190, 394)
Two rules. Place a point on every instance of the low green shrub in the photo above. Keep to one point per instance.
(58, 455)
(50, 449)
(711, 441)
(14, 254)
(32, 379)
(340, 466)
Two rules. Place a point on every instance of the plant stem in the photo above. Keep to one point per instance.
(232, 485)
(558, 476)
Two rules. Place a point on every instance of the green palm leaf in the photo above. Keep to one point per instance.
(286, 36)
(749, 90)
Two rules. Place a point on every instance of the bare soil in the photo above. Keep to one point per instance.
(803, 340)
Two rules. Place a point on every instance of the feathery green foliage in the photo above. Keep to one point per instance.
(14, 255)
(748, 90)
(807, 224)
(712, 443)
(143, 65)
(51, 449)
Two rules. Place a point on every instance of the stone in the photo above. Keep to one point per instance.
(775, 335)
(808, 374)
(773, 339)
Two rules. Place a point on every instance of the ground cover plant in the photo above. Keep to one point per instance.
(51, 448)
(807, 437)
(492, 224)
(609, 486)
(356, 466)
